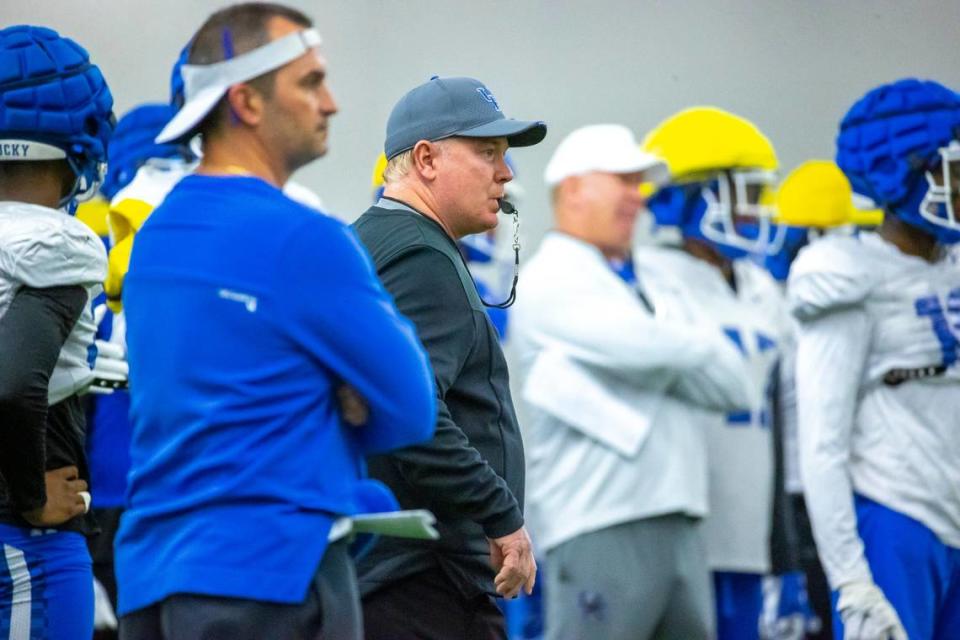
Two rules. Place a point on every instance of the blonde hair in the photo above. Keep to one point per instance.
(398, 166)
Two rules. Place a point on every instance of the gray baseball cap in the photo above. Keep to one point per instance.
(448, 107)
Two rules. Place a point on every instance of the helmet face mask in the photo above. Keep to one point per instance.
(738, 214)
(943, 189)
(725, 166)
(87, 183)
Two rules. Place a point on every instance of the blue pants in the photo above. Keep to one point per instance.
(918, 574)
(739, 598)
(46, 585)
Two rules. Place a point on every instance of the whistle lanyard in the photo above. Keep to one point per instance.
(507, 208)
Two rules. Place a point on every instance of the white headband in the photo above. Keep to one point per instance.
(16, 149)
(204, 85)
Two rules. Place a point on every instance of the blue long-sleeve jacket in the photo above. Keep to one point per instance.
(245, 311)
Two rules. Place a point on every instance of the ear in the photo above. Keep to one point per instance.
(424, 159)
(572, 187)
(246, 104)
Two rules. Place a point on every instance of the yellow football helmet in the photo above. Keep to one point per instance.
(735, 162)
(817, 195)
(698, 142)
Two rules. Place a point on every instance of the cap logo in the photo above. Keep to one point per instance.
(483, 91)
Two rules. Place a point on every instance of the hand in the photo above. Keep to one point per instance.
(512, 559)
(867, 614)
(110, 369)
(353, 408)
(63, 498)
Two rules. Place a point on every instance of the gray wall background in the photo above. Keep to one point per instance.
(792, 66)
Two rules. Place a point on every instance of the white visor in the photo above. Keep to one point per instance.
(15, 149)
(204, 85)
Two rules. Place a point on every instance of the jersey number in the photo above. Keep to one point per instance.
(946, 323)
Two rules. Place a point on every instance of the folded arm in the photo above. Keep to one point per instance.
(352, 324)
(619, 335)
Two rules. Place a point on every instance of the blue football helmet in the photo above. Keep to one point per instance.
(189, 149)
(898, 145)
(132, 144)
(53, 98)
(177, 96)
(685, 206)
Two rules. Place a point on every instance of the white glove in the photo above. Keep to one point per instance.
(110, 369)
(103, 615)
(867, 614)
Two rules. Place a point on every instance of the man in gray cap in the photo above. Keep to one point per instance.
(444, 179)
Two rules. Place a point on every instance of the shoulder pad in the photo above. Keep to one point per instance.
(665, 262)
(133, 204)
(303, 195)
(152, 184)
(830, 274)
(42, 247)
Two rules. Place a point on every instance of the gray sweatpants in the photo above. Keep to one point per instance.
(642, 579)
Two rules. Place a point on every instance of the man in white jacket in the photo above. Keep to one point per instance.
(617, 465)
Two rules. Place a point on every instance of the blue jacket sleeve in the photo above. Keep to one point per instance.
(342, 314)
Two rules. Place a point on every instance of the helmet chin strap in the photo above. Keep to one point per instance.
(507, 208)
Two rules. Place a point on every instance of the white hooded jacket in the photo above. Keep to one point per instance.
(610, 389)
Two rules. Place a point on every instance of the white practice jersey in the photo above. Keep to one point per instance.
(40, 248)
(739, 444)
(614, 394)
(878, 390)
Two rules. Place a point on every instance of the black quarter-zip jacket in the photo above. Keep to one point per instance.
(471, 474)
